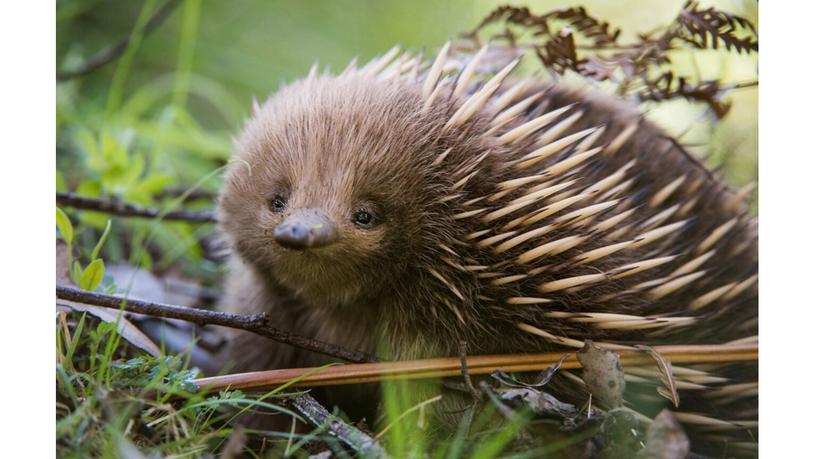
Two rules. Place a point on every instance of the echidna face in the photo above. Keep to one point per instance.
(331, 192)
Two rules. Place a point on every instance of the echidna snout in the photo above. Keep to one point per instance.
(306, 229)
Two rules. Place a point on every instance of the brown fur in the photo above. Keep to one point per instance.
(399, 288)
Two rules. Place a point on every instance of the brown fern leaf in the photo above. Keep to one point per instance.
(559, 53)
(667, 86)
(708, 27)
(572, 39)
(580, 21)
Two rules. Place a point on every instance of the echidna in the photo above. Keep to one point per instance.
(407, 205)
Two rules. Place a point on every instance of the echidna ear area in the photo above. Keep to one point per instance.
(595, 206)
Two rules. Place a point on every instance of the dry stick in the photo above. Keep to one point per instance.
(111, 53)
(477, 396)
(480, 364)
(126, 209)
(255, 323)
(351, 436)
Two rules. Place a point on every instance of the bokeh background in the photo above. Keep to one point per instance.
(161, 117)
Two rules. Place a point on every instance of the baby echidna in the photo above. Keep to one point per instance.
(403, 206)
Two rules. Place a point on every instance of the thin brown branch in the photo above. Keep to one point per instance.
(113, 52)
(254, 323)
(477, 396)
(451, 366)
(127, 209)
(351, 436)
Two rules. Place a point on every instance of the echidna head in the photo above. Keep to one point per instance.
(332, 189)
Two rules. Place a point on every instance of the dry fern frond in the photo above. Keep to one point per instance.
(570, 39)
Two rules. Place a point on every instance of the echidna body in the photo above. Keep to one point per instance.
(406, 205)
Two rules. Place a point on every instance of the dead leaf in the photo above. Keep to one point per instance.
(127, 329)
(138, 283)
(666, 376)
(170, 288)
(124, 327)
(541, 403)
(603, 375)
(63, 264)
(665, 438)
(541, 380)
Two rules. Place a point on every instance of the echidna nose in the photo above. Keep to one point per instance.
(306, 229)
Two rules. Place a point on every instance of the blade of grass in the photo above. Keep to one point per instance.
(406, 413)
(123, 66)
(72, 346)
(457, 444)
(189, 27)
(101, 242)
(276, 390)
(491, 446)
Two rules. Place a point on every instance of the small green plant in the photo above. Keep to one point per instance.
(89, 277)
(112, 398)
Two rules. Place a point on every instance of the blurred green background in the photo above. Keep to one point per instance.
(162, 116)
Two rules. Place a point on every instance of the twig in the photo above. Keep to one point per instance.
(254, 323)
(353, 437)
(113, 52)
(743, 85)
(126, 209)
(478, 364)
(477, 396)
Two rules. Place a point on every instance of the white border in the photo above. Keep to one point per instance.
(787, 172)
(27, 176)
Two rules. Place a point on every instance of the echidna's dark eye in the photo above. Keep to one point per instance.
(362, 218)
(277, 203)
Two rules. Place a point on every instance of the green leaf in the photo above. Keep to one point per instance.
(75, 340)
(76, 272)
(101, 242)
(92, 275)
(144, 191)
(133, 172)
(61, 182)
(65, 226)
(89, 187)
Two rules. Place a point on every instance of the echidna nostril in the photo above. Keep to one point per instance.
(292, 236)
(305, 229)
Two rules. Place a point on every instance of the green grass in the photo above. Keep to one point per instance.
(112, 398)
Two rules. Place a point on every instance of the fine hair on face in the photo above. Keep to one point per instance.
(334, 191)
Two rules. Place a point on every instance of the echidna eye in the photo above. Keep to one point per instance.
(277, 203)
(362, 218)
